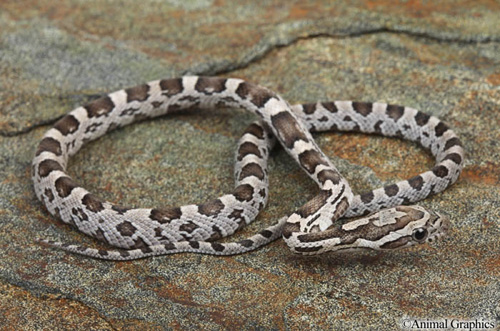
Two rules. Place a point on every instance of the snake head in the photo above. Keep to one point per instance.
(414, 225)
(387, 229)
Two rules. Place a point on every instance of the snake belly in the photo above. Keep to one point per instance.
(140, 232)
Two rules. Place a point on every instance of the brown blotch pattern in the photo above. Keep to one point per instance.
(391, 190)
(64, 186)
(416, 182)
(395, 112)
(211, 208)
(217, 247)
(194, 244)
(421, 118)
(92, 203)
(328, 174)
(440, 129)
(246, 243)
(100, 107)
(169, 246)
(367, 197)
(310, 160)
(165, 215)
(330, 106)
(255, 130)
(171, 87)
(248, 148)
(440, 171)
(49, 144)
(452, 142)
(266, 233)
(243, 192)
(456, 158)
(188, 227)
(309, 108)
(126, 228)
(362, 108)
(47, 166)
(257, 95)
(67, 125)
(289, 129)
(210, 85)
(251, 169)
(137, 93)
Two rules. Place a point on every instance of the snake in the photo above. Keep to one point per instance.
(381, 219)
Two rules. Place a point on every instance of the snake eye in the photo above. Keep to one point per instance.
(419, 234)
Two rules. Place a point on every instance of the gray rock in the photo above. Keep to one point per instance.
(442, 58)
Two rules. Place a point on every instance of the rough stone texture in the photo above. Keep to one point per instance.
(440, 58)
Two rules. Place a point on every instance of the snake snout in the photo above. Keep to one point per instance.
(441, 226)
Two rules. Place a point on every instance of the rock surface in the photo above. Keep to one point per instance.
(443, 59)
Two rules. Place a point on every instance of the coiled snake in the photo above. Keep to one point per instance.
(140, 232)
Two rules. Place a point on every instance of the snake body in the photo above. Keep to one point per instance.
(140, 232)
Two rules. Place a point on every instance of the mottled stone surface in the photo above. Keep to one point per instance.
(440, 57)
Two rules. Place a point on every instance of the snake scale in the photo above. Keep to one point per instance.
(141, 232)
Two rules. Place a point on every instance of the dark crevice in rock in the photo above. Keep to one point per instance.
(266, 45)
(50, 294)
(275, 40)
(78, 99)
(26, 129)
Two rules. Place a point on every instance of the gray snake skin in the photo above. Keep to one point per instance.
(140, 232)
